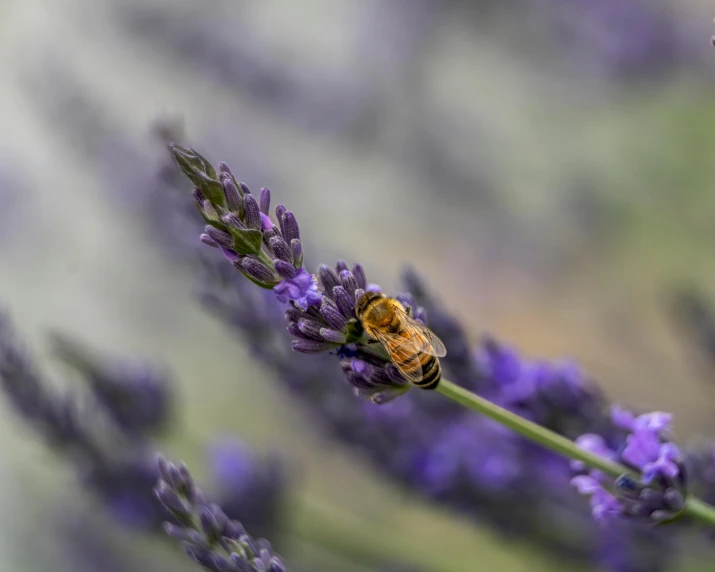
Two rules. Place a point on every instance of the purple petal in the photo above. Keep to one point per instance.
(622, 418)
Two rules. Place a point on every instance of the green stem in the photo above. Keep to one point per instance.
(694, 507)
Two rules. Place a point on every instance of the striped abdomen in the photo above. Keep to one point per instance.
(431, 371)
(421, 368)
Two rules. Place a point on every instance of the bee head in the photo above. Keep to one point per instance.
(364, 302)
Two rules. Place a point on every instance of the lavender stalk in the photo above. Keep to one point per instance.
(324, 315)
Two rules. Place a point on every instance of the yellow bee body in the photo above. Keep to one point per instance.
(411, 345)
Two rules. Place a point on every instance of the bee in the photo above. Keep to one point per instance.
(411, 345)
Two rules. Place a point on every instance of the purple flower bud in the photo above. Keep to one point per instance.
(230, 219)
(265, 200)
(173, 502)
(230, 254)
(311, 347)
(341, 266)
(224, 168)
(199, 198)
(266, 222)
(284, 269)
(310, 329)
(344, 302)
(244, 189)
(212, 523)
(296, 249)
(206, 239)
(328, 278)
(257, 270)
(348, 282)
(359, 274)
(281, 250)
(234, 201)
(220, 237)
(253, 216)
(332, 336)
(332, 315)
(290, 228)
(280, 211)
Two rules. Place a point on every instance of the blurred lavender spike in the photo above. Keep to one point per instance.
(122, 472)
(136, 395)
(208, 536)
(56, 417)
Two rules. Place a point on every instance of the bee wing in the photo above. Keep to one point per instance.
(423, 338)
(403, 353)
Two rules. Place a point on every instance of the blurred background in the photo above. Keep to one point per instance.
(545, 164)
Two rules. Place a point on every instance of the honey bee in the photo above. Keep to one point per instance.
(411, 345)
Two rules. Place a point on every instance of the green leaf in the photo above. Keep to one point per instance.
(246, 240)
(196, 167)
(212, 189)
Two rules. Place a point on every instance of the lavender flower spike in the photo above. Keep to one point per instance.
(659, 494)
(208, 536)
(269, 255)
(322, 315)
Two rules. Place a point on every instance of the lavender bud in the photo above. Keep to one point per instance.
(250, 546)
(280, 211)
(341, 266)
(311, 347)
(220, 237)
(206, 239)
(230, 219)
(349, 283)
(173, 502)
(310, 329)
(284, 269)
(290, 227)
(234, 201)
(244, 188)
(297, 250)
(253, 217)
(293, 315)
(294, 331)
(230, 255)
(344, 302)
(206, 558)
(212, 522)
(674, 499)
(258, 270)
(332, 336)
(281, 250)
(224, 168)
(328, 278)
(359, 273)
(265, 200)
(358, 294)
(332, 315)
(199, 198)
(181, 533)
